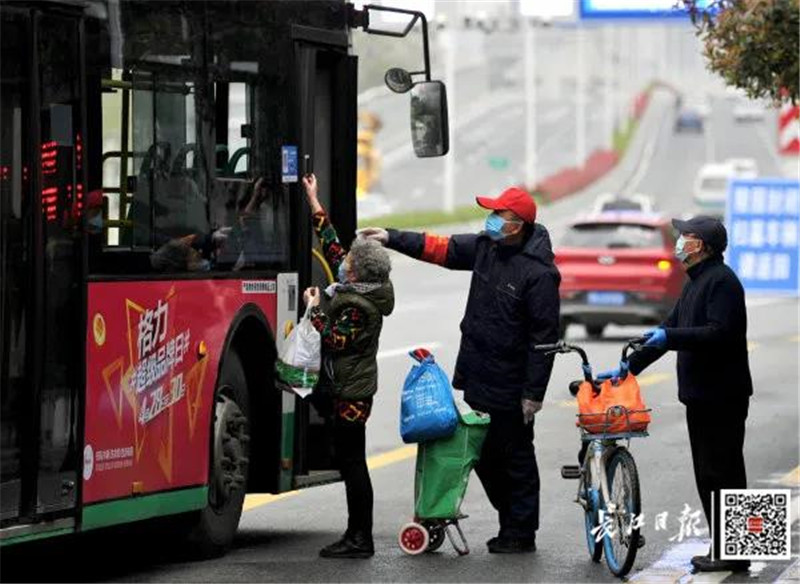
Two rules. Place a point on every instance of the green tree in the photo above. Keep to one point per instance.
(753, 44)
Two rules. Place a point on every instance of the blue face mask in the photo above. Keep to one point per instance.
(343, 273)
(203, 266)
(494, 226)
(95, 224)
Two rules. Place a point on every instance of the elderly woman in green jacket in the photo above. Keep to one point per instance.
(349, 321)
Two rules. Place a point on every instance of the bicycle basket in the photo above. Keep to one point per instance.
(616, 409)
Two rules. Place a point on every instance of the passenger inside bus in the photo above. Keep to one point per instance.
(247, 214)
(182, 254)
(179, 204)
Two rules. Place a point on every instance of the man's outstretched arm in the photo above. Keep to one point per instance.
(456, 252)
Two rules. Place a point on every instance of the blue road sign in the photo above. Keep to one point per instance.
(289, 164)
(763, 219)
(635, 9)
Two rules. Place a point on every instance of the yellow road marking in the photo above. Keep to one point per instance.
(653, 378)
(791, 478)
(373, 462)
(387, 458)
(256, 500)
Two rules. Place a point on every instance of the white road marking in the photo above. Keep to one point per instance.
(758, 301)
(405, 350)
(413, 307)
(644, 161)
(674, 565)
(791, 574)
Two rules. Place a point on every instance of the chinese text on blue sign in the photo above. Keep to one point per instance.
(763, 218)
(289, 164)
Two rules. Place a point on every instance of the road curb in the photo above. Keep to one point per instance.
(557, 215)
(616, 180)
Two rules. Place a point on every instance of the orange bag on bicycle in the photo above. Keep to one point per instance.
(617, 408)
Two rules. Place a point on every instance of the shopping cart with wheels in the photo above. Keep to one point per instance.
(442, 475)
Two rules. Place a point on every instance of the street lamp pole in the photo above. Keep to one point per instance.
(610, 86)
(580, 99)
(448, 37)
(529, 62)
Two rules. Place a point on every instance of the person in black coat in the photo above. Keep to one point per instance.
(513, 305)
(708, 329)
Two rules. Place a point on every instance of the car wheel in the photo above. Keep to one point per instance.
(595, 331)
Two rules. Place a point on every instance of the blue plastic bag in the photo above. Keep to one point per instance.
(427, 409)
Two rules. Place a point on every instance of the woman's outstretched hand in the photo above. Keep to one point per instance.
(310, 185)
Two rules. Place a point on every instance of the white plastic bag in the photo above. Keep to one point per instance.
(299, 362)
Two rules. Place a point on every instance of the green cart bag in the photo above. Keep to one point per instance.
(443, 466)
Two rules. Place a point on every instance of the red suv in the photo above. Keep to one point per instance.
(618, 268)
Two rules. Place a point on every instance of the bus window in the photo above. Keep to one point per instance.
(239, 129)
(117, 150)
(248, 205)
(15, 258)
(170, 199)
(257, 230)
(165, 163)
(186, 163)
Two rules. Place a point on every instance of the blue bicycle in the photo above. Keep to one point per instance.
(608, 481)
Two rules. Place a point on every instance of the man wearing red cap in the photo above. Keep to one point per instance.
(513, 305)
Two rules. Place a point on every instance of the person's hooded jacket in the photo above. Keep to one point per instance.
(353, 371)
(513, 305)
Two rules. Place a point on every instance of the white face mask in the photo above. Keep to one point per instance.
(680, 249)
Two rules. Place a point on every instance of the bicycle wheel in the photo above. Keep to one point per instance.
(621, 541)
(591, 517)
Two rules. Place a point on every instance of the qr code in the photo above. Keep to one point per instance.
(755, 524)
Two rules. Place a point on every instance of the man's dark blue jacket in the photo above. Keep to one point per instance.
(708, 329)
(513, 305)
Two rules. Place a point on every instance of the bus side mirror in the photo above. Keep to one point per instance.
(430, 133)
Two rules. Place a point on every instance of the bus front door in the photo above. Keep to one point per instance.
(42, 267)
(327, 79)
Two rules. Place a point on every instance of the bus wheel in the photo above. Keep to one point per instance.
(217, 523)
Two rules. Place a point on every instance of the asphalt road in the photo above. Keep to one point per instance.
(279, 536)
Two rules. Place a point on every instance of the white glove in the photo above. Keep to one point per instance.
(221, 234)
(529, 409)
(378, 234)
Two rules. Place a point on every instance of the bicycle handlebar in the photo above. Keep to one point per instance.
(635, 344)
(564, 347)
